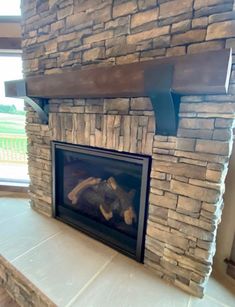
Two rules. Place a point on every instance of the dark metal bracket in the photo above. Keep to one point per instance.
(158, 86)
(17, 89)
(40, 106)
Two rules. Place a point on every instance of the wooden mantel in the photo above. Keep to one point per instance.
(202, 73)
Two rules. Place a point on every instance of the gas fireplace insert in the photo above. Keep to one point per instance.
(102, 193)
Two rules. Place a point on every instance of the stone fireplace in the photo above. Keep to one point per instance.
(188, 169)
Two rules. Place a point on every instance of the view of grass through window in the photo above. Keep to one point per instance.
(13, 141)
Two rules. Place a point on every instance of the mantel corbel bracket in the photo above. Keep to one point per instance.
(17, 89)
(165, 103)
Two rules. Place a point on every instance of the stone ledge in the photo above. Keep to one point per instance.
(20, 288)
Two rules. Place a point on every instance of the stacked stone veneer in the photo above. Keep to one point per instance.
(188, 170)
(20, 288)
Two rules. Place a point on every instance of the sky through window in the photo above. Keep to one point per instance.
(10, 8)
(10, 69)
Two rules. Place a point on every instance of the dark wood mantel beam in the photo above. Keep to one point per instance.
(160, 79)
(203, 73)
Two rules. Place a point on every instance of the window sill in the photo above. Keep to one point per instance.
(14, 189)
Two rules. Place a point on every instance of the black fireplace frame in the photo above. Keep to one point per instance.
(144, 160)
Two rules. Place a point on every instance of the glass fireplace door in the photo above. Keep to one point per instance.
(103, 193)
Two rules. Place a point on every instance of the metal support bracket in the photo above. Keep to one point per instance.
(158, 84)
(40, 106)
(17, 89)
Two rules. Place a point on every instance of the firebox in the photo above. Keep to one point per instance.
(102, 193)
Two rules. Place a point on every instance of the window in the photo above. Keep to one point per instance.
(13, 142)
(10, 8)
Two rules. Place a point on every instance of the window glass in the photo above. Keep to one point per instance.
(13, 142)
(10, 8)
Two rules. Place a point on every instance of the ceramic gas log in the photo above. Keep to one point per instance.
(107, 195)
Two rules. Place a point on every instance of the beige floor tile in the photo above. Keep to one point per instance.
(205, 302)
(62, 266)
(222, 289)
(24, 231)
(76, 271)
(12, 207)
(125, 283)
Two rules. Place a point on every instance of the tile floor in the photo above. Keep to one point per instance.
(75, 270)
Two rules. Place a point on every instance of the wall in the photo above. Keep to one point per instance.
(226, 228)
(11, 29)
(74, 33)
(188, 171)
(10, 33)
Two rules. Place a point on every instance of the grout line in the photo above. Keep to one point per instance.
(210, 298)
(91, 280)
(35, 246)
(217, 301)
(189, 301)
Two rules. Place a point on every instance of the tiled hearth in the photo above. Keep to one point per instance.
(48, 263)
